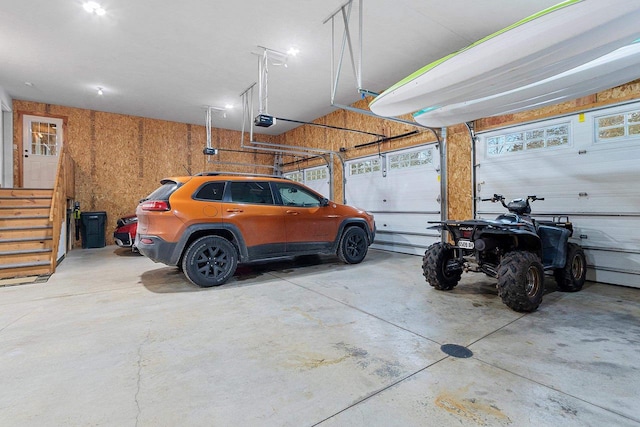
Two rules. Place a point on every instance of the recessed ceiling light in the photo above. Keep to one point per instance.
(93, 7)
(100, 92)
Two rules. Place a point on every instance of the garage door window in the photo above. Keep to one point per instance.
(618, 126)
(295, 176)
(407, 160)
(365, 166)
(532, 139)
(316, 174)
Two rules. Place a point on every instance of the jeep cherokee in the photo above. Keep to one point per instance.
(208, 223)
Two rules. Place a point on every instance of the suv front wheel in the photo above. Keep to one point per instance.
(353, 245)
(210, 261)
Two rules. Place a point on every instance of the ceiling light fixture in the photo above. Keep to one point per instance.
(228, 107)
(93, 7)
(100, 92)
(293, 51)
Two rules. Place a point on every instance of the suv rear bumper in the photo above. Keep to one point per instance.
(159, 250)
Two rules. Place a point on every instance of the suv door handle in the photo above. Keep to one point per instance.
(292, 212)
(235, 210)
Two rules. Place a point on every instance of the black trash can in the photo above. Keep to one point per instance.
(92, 227)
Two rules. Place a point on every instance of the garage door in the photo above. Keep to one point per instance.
(402, 190)
(585, 166)
(315, 178)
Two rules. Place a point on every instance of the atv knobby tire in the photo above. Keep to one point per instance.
(434, 267)
(572, 276)
(521, 281)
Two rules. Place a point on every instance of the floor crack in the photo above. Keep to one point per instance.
(139, 373)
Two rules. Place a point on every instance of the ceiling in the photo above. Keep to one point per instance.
(168, 60)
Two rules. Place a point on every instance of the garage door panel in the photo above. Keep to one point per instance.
(416, 223)
(403, 199)
(590, 175)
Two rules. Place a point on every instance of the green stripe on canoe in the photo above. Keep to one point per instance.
(434, 64)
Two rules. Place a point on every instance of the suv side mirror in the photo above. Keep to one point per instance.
(324, 202)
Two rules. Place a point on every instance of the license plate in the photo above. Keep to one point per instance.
(465, 244)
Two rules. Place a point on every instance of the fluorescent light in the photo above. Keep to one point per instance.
(93, 7)
(228, 107)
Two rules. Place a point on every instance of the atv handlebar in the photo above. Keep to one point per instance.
(500, 198)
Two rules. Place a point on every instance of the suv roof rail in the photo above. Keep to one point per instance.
(239, 174)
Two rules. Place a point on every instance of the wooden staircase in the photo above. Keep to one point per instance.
(26, 232)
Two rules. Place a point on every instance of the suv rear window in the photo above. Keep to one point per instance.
(164, 191)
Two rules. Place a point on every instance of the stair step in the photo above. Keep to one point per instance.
(23, 221)
(26, 192)
(25, 201)
(12, 211)
(24, 257)
(25, 244)
(40, 232)
(24, 269)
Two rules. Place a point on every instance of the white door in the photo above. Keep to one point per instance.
(318, 179)
(586, 167)
(42, 142)
(402, 190)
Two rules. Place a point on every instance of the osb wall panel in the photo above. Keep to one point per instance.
(120, 159)
(459, 186)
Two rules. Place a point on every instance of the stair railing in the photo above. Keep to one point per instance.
(63, 189)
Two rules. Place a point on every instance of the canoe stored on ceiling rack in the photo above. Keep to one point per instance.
(542, 45)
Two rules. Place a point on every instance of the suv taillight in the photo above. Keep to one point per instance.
(155, 205)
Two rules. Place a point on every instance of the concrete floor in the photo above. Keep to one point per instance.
(114, 339)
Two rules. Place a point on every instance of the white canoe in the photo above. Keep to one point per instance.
(618, 67)
(542, 45)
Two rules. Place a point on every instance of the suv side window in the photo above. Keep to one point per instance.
(294, 195)
(251, 192)
(210, 191)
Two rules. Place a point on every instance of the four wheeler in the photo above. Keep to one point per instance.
(514, 248)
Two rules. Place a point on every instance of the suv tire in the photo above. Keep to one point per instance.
(210, 261)
(521, 281)
(353, 245)
(434, 267)
(572, 276)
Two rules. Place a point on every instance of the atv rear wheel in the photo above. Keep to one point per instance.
(434, 267)
(572, 276)
(521, 281)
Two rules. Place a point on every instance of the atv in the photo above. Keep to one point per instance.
(514, 248)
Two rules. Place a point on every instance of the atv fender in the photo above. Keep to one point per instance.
(554, 246)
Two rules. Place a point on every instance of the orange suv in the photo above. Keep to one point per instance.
(208, 223)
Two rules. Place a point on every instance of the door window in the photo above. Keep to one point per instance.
(251, 192)
(294, 195)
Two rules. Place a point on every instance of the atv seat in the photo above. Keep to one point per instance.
(554, 245)
(508, 218)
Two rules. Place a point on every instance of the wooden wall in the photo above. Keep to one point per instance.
(120, 159)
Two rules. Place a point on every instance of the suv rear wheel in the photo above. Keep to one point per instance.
(353, 245)
(210, 261)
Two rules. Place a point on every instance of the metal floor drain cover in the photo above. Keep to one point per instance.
(456, 350)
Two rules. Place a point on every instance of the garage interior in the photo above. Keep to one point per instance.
(138, 92)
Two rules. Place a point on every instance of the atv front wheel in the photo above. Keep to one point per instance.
(521, 281)
(434, 267)
(572, 276)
